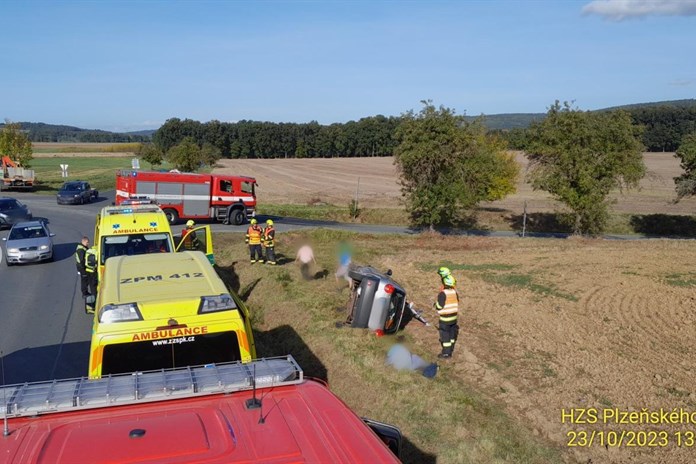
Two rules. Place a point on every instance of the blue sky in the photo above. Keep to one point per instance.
(131, 65)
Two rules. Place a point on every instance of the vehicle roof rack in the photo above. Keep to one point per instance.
(130, 209)
(54, 396)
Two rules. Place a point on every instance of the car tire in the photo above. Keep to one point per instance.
(96, 195)
(172, 215)
(237, 217)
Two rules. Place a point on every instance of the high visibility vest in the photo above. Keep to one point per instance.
(79, 257)
(448, 312)
(253, 235)
(268, 236)
(91, 260)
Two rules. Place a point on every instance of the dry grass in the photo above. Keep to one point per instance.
(546, 324)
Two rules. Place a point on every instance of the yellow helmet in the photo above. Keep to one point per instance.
(190, 223)
(253, 221)
(269, 222)
(444, 271)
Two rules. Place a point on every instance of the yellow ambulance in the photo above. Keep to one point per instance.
(167, 310)
(143, 228)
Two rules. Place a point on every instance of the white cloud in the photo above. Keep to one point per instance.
(628, 9)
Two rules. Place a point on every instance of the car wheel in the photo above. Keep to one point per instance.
(96, 195)
(172, 215)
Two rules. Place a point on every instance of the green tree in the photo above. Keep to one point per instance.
(15, 144)
(448, 165)
(686, 183)
(186, 156)
(580, 157)
(151, 153)
(210, 154)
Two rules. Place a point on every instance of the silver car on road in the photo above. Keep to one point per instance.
(28, 242)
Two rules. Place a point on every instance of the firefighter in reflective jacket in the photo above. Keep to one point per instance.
(447, 307)
(253, 239)
(268, 240)
(91, 267)
(188, 236)
(80, 263)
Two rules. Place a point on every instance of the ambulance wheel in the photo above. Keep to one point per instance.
(172, 215)
(237, 217)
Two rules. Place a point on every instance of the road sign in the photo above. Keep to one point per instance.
(135, 163)
(64, 170)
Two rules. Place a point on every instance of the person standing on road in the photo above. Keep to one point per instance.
(447, 307)
(253, 239)
(305, 256)
(268, 240)
(80, 262)
(91, 267)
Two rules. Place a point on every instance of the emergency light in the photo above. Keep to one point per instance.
(212, 304)
(119, 313)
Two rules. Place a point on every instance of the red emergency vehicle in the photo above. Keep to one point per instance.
(258, 412)
(183, 195)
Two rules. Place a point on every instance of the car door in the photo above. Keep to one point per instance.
(203, 242)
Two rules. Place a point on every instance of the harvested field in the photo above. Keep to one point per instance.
(335, 181)
(552, 325)
(546, 325)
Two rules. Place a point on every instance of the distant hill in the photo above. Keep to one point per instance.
(688, 103)
(144, 133)
(508, 121)
(41, 132)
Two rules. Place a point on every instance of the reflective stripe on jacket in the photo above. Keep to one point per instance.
(268, 236)
(80, 257)
(91, 260)
(253, 235)
(448, 311)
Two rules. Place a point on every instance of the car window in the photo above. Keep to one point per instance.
(9, 205)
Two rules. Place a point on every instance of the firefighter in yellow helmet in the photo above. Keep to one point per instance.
(188, 235)
(447, 307)
(268, 239)
(253, 239)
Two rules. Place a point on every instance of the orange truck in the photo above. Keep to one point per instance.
(14, 176)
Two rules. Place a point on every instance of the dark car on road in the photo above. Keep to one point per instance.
(12, 212)
(76, 192)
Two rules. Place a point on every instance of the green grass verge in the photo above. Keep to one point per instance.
(445, 419)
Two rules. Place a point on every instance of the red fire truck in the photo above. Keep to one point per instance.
(183, 195)
(258, 412)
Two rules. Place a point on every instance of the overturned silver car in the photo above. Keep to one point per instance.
(377, 302)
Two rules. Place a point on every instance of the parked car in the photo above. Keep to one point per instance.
(13, 211)
(76, 192)
(28, 242)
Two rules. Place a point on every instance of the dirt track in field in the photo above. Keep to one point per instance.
(335, 181)
(601, 324)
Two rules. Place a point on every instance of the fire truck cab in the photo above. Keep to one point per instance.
(264, 411)
(183, 195)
